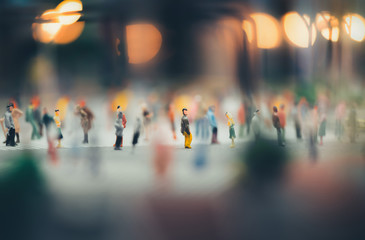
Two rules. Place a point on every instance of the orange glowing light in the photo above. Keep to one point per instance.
(328, 26)
(354, 25)
(143, 42)
(62, 105)
(121, 99)
(67, 9)
(267, 30)
(296, 28)
(69, 33)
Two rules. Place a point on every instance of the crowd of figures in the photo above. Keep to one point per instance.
(254, 119)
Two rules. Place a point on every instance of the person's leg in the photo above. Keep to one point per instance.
(279, 136)
(12, 137)
(186, 139)
(117, 142)
(121, 141)
(190, 138)
(86, 137)
(283, 135)
(17, 137)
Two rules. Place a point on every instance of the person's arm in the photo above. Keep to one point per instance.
(124, 120)
(187, 127)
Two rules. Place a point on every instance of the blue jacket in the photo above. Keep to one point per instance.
(211, 117)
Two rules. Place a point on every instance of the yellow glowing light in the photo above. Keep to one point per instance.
(296, 29)
(248, 28)
(67, 10)
(183, 101)
(267, 30)
(69, 33)
(121, 99)
(61, 105)
(45, 32)
(328, 26)
(143, 42)
(354, 25)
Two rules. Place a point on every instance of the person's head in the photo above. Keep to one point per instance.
(10, 107)
(228, 115)
(118, 108)
(45, 110)
(282, 106)
(275, 109)
(185, 111)
(57, 112)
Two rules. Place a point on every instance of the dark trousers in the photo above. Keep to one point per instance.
(280, 139)
(118, 141)
(86, 138)
(10, 137)
(215, 135)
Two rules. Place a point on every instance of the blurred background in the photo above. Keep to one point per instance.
(153, 58)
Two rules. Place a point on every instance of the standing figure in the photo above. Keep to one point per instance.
(277, 126)
(136, 132)
(147, 116)
(241, 120)
(9, 124)
(50, 127)
(171, 116)
(213, 124)
(185, 128)
(322, 128)
(119, 131)
(2, 126)
(256, 123)
(296, 118)
(86, 120)
(29, 117)
(57, 120)
(340, 114)
(17, 113)
(232, 133)
(124, 123)
(282, 118)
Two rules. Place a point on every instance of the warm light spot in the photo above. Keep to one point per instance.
(267, 30)
(62, 105)
(354, 25)
(183, 101)
(121, 99)
(69, 33)
(328, 26)
(67, 9)
(248, 28)
(297, 31)
(45, 32)
(143, 42)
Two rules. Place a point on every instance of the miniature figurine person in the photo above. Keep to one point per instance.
(185, 129)
(277, 125)
(30, 119)
(17, 113)
(137, 131)
(124, 123)
(9, 124)
(118, 130)
(230, 123)
(213, 124)
(57, 120)
(86, 120)
(49, 124)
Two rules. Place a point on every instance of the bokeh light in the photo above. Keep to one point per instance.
(354, 25)
(144, 41)
(328, 26)
(297, 31)
(66, 9)
(267, 30)
(121, 99)
(62, 105)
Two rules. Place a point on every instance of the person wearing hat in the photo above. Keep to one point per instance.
(185, 128)
(57, 120)
(9, 124)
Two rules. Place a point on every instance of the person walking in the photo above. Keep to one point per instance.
(185, 128)
(119, 131)
(213, 124)
(230, 123)
(277, 126)
(9, 124)
(282, 118)
(57, 120)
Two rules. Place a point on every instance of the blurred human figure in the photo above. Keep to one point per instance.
(57, 120)
(185, 128)
(277, 125)
(37, 115)
(340, 114)
(249, 111)
(282, 118)
(241, 115)
(213, 124)
(201, 122)
(17, 113)
(86, 120)
(118, 130)
(315, 119)
(29, 117)
(50, 128)
(296, 119)
(136, 132)
(352, 124)
(230, 123)
(9, 124)
(171, 116)
(322, 127)
(124, 123)
(3, 127)
(147, 118)
(256, 123)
